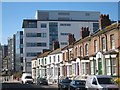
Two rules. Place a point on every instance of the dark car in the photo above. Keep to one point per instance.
(77, 85)
(64, 84)
(42, 81)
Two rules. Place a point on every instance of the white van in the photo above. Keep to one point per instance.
(100, 82)
(26, 78)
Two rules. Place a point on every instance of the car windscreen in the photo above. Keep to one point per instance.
(80, 82)
(28, 77)
(65, 81)
(105, 81)
(42, 79)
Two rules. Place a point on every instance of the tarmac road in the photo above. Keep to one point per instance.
(19, 86)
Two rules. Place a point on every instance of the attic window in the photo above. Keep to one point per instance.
(87, 14)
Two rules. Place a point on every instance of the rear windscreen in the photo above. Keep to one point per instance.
(28, 77)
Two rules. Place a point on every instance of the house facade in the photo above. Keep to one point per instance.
(93, 54)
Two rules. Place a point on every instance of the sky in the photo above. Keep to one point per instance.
(13, 13)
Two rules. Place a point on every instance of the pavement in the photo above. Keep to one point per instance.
(54, 85)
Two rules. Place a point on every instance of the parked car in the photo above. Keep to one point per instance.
(26, 78)
(100, 82)
(42, 81)
(64, 84)
(77, 85)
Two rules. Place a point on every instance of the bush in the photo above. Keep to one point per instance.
(17, 75)
(117, 80)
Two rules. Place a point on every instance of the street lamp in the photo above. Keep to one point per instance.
(6, 72)
(25, 65)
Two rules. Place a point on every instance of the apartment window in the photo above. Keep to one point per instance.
(36, 44)
(32, 54)
(112, 41)
(95, 27)
(28, 64)
(81, 51)
(36, 34)
(86, 49)
(63, 18)
(87, 14)
(43, 25)
(43, 34)
(95, 46)
(65, 24)
(103, 44)
(63, 43)
(63, 13)
(32, 24)
(31, 35)
(64, 34)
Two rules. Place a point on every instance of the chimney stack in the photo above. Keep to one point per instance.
(56, 45)
(71, 39)
(104, 21)
(84, 32)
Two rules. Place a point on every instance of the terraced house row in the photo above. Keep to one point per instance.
(98, 54)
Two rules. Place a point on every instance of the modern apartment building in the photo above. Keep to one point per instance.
(11, 54)
(9, 59)
(48, 26)
(19, 51)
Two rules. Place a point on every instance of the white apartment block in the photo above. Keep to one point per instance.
(48, 26)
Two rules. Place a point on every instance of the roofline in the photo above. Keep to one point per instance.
(68, 10)
(60, 20)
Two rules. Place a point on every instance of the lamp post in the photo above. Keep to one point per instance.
(6, 72)
(25, 65)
